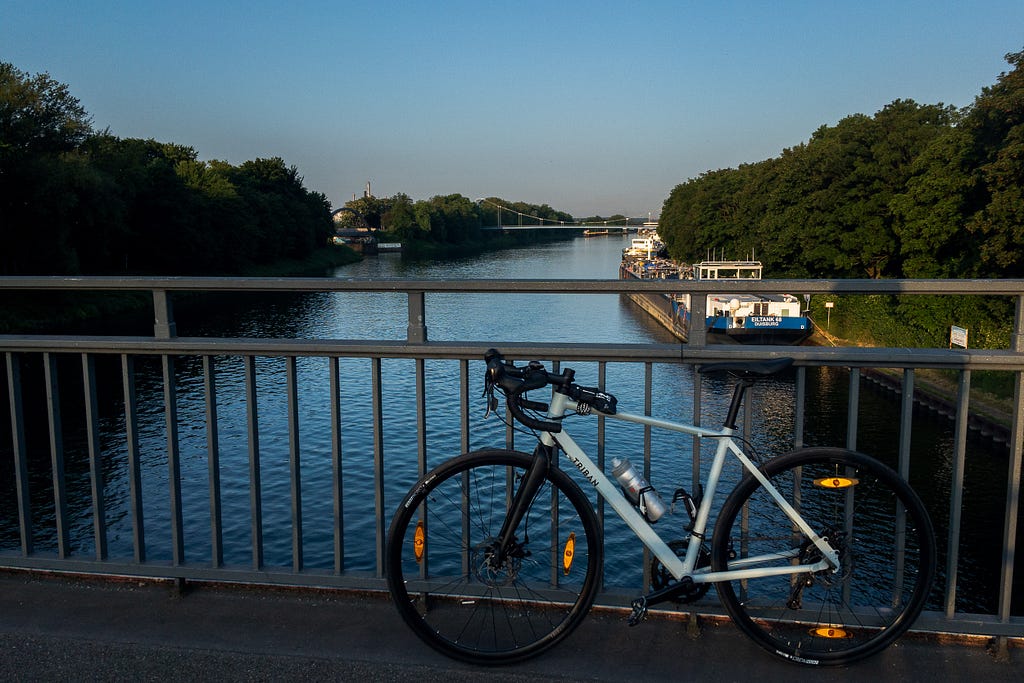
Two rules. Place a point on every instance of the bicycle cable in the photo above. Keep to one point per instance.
(749, 449)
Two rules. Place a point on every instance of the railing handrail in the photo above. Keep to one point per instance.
(980, 287)
(860, 357)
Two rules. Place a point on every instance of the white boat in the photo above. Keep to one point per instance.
(750, 318)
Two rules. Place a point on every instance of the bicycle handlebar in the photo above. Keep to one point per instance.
(516, 381)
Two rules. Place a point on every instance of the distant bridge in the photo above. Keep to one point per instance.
(564, 226)
(631, 223)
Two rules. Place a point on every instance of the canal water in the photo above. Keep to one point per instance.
(489, 318)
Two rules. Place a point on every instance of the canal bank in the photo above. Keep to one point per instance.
(989, 416)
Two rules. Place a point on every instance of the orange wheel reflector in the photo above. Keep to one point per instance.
(419, 541)
(836, 482)
(569, 553)
(830, 632)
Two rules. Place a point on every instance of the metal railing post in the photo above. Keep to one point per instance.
(20, 458)
(164, 326)
(956, 495)
(213, 463)
(1014, 472)
(417, 331)
(698, 333)
(131, 428)
(92, 426)
(57, 456)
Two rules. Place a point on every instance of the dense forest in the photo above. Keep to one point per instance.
(78, 201)
(915, 191)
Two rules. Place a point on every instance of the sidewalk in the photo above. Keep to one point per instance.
(72, 629)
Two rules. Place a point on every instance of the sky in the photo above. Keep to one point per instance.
(594, 108)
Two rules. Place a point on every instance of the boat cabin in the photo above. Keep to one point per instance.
(728, 270)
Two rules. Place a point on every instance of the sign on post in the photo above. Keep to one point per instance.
(957, 337)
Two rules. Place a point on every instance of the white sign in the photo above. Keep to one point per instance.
(957, 337)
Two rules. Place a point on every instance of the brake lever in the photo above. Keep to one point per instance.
(488, 395)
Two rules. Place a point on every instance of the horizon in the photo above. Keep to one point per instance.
(593, 110)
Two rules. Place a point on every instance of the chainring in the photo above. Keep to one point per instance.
(661, 578)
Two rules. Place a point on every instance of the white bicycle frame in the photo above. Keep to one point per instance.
(774, 564)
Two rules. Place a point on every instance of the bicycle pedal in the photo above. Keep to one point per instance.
(639, 612)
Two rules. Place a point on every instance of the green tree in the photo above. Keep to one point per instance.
(40, 124)
(400, 219)
(821, 209)
(930, 215)
(38, 117)
(372, 210)
(996, 124)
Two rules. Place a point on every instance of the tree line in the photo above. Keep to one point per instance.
(78, 201)
(74, 200)
(447, 219)
(915, 191)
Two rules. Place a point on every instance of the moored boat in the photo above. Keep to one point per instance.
(750, 318)
(730, 318)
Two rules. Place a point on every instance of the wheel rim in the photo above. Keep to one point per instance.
(458, 596)
(886, 558)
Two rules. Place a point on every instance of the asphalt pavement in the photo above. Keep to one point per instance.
(62, 628)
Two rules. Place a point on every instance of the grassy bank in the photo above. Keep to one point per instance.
(991, 391)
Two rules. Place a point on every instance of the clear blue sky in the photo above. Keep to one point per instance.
(591, 107)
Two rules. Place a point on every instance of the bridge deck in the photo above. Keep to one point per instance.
(71, 629)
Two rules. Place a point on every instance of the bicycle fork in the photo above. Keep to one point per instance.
(521, 501)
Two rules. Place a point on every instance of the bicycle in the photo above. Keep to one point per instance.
(823, 556)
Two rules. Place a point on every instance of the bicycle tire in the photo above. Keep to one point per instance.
(830, 617)
(453, 599)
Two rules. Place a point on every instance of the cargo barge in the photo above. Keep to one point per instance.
(731, 318)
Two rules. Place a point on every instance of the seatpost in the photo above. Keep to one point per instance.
(737, 401)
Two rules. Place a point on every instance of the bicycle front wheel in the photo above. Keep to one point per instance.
(865, 511)
(453, 590)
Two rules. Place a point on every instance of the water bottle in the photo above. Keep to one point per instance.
(637, 489)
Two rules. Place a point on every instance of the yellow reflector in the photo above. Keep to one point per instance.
(419, 541)
(836, 482)
(830, 632)
(568, 553)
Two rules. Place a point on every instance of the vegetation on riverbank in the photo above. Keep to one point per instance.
(79, 202)
(75, 201)
(447, 220)
(915, 191)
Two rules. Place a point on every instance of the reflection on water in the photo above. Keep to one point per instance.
(493, 318)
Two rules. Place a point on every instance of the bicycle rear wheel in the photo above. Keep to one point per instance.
(886, 552)
(442, 571)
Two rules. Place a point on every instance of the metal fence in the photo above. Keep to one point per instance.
(168, 349)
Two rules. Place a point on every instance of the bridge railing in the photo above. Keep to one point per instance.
(39, 505)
